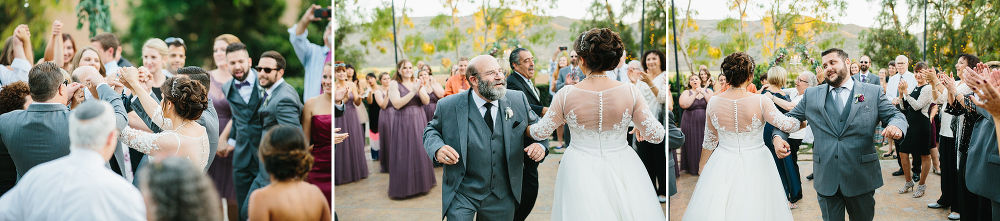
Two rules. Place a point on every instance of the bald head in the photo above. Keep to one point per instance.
(489, 81)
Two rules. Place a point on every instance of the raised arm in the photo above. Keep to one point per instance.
(552, 119)
(380, 99)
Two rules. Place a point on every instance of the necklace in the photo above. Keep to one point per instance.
(599, 75)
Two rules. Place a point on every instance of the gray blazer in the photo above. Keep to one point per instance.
(41, 133)
(869, 78)
(845, 159)
(449, 127)
(281, 108)
(209, 119)
(983, 166)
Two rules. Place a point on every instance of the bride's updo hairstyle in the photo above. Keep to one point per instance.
(284, 153)
(189, 97)
(601, 49)
(738, 68)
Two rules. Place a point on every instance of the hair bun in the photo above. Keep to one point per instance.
(601, 49)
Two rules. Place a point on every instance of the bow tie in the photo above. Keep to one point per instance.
(239, 85)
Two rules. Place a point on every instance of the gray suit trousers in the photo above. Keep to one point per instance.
(860, 207)
(490, 208)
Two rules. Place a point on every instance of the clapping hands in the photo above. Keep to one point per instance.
(984, 84)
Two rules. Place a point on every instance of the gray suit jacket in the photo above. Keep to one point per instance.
(449, 127)
(869, 78)
(983, 166)
(845, 159)
(281, 108)
(209, 119)
(41, 133)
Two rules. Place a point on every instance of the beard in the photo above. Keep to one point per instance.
(864, 68)
(489, 90)
(837, 78)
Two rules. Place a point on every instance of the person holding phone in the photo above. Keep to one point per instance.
(313, 56)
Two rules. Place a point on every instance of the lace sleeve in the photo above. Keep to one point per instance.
(553, 118)
(159, 120)
(925, 98)
(711, 140)
(775, 117)
(645, 121)
(140, 140)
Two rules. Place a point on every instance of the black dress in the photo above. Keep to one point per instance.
(917, 133)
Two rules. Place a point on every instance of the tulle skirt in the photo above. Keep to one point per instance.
(739, 184)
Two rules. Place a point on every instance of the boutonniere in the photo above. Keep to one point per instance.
(859, 98)
(510, 113)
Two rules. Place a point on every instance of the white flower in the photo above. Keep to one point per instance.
(510, 113)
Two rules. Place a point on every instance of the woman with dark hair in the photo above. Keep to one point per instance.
(411, 171)
(706, 79)
(175, 190)
(954, 144)
(738, 178)
(693, 101)
(350, 155)
(916, 106)
(61, 47)
(183, 102)
(373, 111)
(600, 176)
(653, 84)
(288, 197)
(385, 117)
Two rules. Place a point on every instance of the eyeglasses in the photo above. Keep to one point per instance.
(174, 40)
(266, 70)
(501, 72)
(863, 62)
(801, 81)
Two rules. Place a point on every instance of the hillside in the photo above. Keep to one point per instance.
(542, 51)
(849, 32)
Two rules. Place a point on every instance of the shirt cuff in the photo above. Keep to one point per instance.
(291, 32)
(231, 142)
(21, 64)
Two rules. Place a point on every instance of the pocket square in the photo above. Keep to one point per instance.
(516, 123)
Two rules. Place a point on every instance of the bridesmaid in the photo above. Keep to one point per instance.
(433, 89)
(385, 117)
(693, 101)
(221, 170)
(316, 122)
(411, 170)
(351, 164)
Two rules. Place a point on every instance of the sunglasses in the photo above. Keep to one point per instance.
(174, 40)
(863, 62)
(266, 70)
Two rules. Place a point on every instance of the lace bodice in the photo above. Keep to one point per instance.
(599, 119)
(738, 123)
(167, 142)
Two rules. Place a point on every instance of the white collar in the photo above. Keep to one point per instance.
(275, 85)
(849, 83)
(479, 100)
(526, 80)
(251, 77)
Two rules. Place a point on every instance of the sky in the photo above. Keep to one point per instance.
(429, 8)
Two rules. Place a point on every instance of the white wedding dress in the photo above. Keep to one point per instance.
(149, 143)
(740, 180)
(600, 176)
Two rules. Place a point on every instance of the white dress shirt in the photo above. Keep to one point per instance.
(531, 84)
(73, 187)
(891, 90)
(482, 109)
(111, 67)
(246, 91)
(19, 73)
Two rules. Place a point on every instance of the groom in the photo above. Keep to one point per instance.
(479, 135)
(846, 165)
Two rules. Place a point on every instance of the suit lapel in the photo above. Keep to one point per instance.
(505, 125)
(853, 109)
(463, 132)
(524, 86)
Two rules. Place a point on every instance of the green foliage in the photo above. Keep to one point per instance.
(349, 53)
(888, 38)
(656, 25)
(199, 22)
(602, 17)
(97, 14)
(13, 13)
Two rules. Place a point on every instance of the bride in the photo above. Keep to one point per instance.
(600, 176)
(739, 181)
(183, 102)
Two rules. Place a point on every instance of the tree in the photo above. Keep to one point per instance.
(97, 14)
(889, 37)
(14, 13)
(696, 49)
(656, 26)
(346, 25)
(504, 28)
(600, 15)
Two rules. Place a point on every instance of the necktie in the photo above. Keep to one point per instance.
(863, 77)
(489, 115)
(265, 98)
(836, 98)
(533, 89)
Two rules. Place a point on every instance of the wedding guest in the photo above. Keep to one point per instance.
(981, 169)
(373, 110)
(244, 95)
(855, 69)
(385, 116)
(653, 83)
(175, 189)
(916, 107)
(892, 92)
(221, 169)
(176, 53)
(706, 79)
(775, 81)
(433, 89)
(948, 152)
(61, 47)
(351, 163)
(77, 186)
(316, 122)
(88, 56)
(15, 96)
(288, 197)
(522, 64)
(456, 83)
(311, 55)
(362, 93)
(693, 101)
(968, 205)
(556, 63)
(723, 87)
(805, 80)
(411, 171)
(111, 51)
(14, 60)
(154, 55)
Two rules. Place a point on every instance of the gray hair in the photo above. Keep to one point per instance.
(635, 63)
(515, 57)
(902, 57)
(179, 191)
(90, 124)
(810, 78)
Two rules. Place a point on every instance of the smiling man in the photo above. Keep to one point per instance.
(244, 96)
